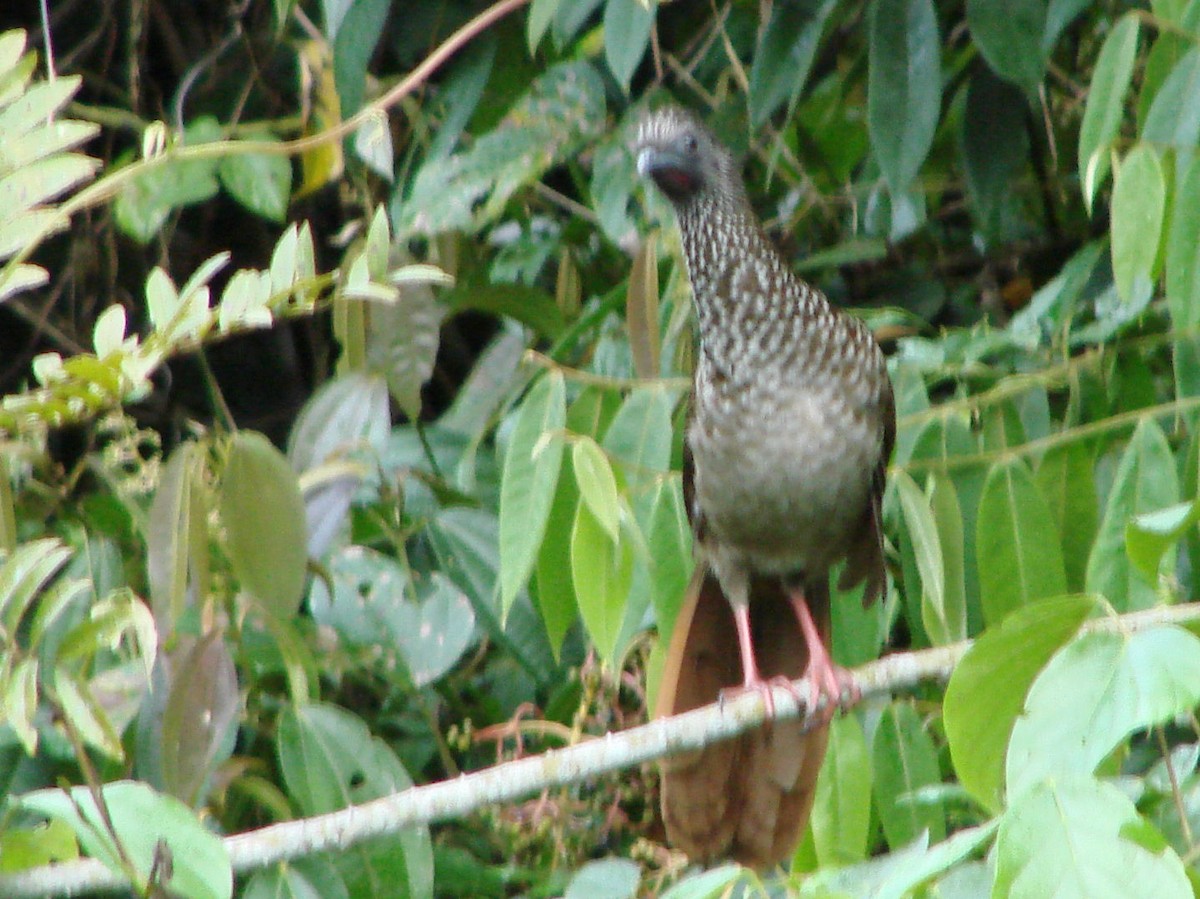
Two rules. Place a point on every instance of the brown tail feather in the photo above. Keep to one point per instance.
(747, 798)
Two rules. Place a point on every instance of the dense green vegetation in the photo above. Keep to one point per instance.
(345, 362)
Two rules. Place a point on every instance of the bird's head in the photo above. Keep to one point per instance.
(682, 156)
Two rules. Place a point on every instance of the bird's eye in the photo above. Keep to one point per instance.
(690, 143)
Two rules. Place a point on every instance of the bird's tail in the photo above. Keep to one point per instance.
(747, 798)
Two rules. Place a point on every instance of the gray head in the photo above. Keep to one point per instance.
(684, 158)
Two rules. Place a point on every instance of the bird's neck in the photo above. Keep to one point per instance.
(749, 304)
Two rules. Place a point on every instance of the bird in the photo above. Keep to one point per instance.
(790, 427)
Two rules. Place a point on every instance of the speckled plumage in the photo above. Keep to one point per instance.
(791, 425)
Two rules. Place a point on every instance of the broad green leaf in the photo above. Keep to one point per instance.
(708, 884)
(563, 109)
(199, 720)
(602, 572)
(948, 623)
(1174, 116)
(541, 12)
(1093, 694)
(262, 512)
(927, 551)
(347, 414)
(528, 482)
(20, 703)
(304, 878)
(330, 760)
(354, 42)
(640, 436)
(597, 485)
(402, 343)
(901, 872)
(1082, 838)
(1183, 281)
(606, 878)
(1145, 482)
(841, 813)
(529, 305)
(1010, 37)
(261, 182)
(1106, 104)
(904, 761)
(905, 86)
(84, 713)
(552, 576)
(1138, 205)
(1018, 550)
(670, 542)
(627, 25)
(24, 573)
(1066, 479)
(374, 603)
(995, 146)
(1148, 536)
(979, 716)
(784, 56)
(141, 818)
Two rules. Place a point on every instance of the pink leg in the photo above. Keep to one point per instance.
(825, 678)
(751, 679)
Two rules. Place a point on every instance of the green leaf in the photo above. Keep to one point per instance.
(528, 305)
(905, 86)
(841, 814)
(563, 109)
(265, 530)
(1010, 37)
(141, 818)
(541, 12)
(640, 436)
(354, 41)
(1066, 479)
(670, 543)
(1183, 281)
(602, 572)
(995, 143)
(904, 761)
(978, 715)
(1018, 548)
(1093, 694)
(330, 760)
(1138, 206)
(784, 56)
(1174, 116)
(346, 415)
(555, 586)
(1078, 838)
(597, 485)
(199, 720)
(261, 182)
(627, 25)
(1106, 104)
(1145, 482)
(901, 872)
(528, 482)
(24, 573)
(371, 605)
(1148, 536)
(949, 623)
(927, 551)
(641, 309)
(707, 884)
(607, 878)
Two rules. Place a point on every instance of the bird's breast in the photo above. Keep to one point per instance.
(783, 469)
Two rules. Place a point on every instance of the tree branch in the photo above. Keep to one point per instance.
(515, 780)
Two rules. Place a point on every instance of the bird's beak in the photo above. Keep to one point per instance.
(675, 174)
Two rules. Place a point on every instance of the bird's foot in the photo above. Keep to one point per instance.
(830, 686)
(765, 688)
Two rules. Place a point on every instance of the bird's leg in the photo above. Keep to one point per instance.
(751, 679)
(824, 678)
